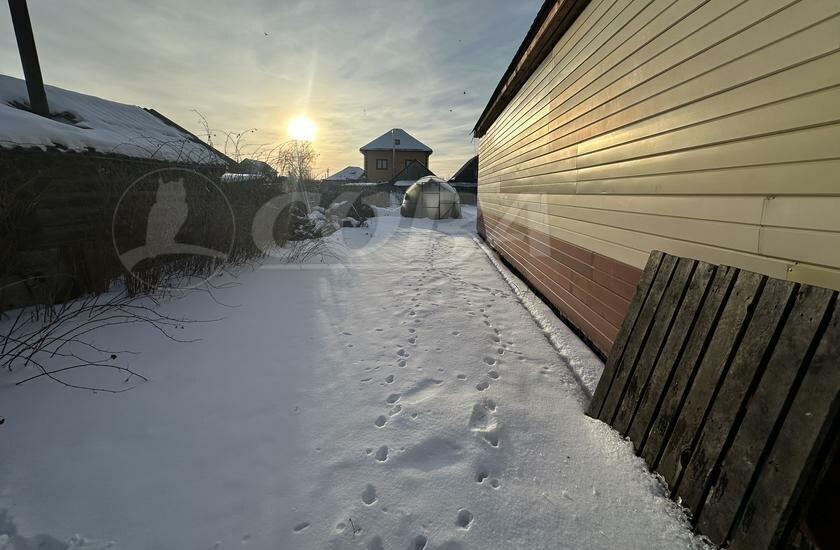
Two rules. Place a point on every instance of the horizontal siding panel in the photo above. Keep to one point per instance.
(735, 209)
(605, 70)
(633, 248)
(768, 91)
(699, 77)
(805, 245)
(820, 213)
(743, 237)
(556, 67)
(810, 110)
(813, 178)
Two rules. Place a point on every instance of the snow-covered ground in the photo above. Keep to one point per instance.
(399, 397)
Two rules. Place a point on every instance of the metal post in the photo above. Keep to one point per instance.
(29, 57)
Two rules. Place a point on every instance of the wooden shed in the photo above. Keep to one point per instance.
(708, 130)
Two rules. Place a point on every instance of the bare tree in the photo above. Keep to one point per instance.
(296, 159)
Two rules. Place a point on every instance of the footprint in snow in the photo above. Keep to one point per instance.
(301, 526)
(493, 374)
(461, 377)
(380, 421)
(401, 363)
(490, 361)
(389, 379)
(464, 519)
(382, 453)
(483, 385)
(420, 542)
(393, 398)
(369, 495)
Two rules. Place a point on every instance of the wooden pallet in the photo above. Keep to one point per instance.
(727, 383)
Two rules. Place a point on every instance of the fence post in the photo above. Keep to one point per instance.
(29, 57)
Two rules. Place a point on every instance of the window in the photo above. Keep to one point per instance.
(381, 164)
(408, 161)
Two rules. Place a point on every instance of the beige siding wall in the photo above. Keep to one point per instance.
(396, 163)
(704, 129)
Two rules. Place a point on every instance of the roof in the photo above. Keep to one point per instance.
(397, 139)
(552, 21)
(351, 173)
(468, 173)
(253, 166)
(413, 172)
(86, 123)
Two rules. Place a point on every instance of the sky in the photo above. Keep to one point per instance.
(357, 68)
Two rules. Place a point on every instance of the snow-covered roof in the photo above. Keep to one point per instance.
(242, 177)
(88, 123)
(349, 173)
(404, 183)
(397, 139)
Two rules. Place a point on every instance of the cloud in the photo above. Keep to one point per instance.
(358, 68)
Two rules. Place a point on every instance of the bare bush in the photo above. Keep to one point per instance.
(56, 339)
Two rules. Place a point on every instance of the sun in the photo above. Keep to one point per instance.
(302, 128)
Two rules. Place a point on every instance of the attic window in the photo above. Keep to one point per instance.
(396, 141)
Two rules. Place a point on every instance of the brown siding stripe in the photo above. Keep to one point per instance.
(591, 290)
(611, 274)
(610, 305)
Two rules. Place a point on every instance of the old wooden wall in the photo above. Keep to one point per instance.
(57, 225)
(727, 383)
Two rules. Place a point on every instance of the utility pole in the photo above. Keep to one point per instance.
(29, 57)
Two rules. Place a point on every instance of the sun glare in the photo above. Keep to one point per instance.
(302, 128)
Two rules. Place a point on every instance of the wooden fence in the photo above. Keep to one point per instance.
(58, 228)
(727, 383)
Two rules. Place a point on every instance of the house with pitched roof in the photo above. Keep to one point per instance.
(348, 175)
(393, 152)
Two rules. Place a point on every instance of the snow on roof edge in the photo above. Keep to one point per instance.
(98, 125)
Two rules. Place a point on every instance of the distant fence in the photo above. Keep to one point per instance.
(727, 383)
(329, 192)
(58, 229)
(382, 194)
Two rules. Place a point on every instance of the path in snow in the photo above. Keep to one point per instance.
(399, 398)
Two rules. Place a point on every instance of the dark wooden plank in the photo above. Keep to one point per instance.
(668, 306)
(642, 290)
(638, 338)
(684, 372)
(672, 351)
(715, 361)
(727, 409)
(802, 429)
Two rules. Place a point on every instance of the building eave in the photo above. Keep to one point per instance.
(552, 21)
